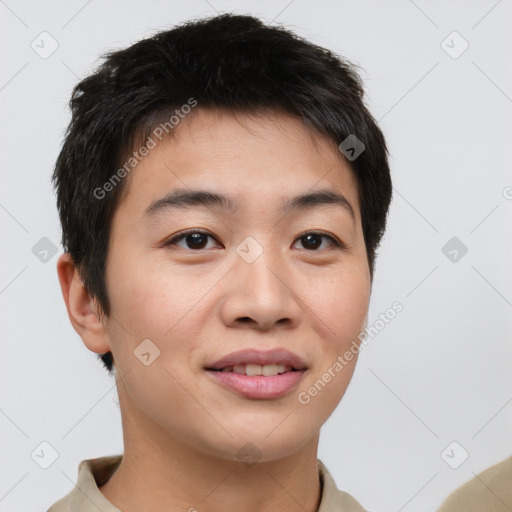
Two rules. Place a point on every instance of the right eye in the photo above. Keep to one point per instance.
(194, 238)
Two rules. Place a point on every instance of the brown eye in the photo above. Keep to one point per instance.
(194, 239)
(313, 240)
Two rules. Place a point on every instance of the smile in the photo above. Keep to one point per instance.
(258, 386)
(267, 370)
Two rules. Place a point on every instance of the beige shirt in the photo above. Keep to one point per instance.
(490, 491)
(93, 473)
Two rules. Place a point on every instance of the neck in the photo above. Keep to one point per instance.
(159, 473)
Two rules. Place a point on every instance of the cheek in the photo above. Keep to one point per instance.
(338, 306)
(153, 301)
(168, 308)
(347, 313)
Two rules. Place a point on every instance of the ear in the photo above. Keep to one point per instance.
(83, 310)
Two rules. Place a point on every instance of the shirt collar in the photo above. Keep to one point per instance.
(93, 473)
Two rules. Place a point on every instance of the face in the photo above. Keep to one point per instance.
(201, 281)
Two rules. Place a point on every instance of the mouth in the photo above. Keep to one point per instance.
(259, 375)
(267, 370)
(259, 362)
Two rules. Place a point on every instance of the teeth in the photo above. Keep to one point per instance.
(267, 370)
(239, 368)
(254, 369)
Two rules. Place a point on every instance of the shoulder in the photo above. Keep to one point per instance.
(490, 491)
(334, 500)
(86, 496)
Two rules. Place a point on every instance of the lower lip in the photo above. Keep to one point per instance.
(259, 386)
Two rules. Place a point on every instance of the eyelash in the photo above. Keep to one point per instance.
(184, 234)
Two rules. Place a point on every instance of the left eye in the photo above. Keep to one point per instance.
(312, 239)
(197, 239)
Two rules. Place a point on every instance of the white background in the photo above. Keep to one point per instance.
(439, 372)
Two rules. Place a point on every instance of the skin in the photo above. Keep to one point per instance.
(182, 430)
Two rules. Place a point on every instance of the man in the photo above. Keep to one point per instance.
(222, 191)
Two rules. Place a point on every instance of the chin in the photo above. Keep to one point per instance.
(263, 442)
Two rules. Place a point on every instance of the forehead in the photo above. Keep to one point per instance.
(247, 158)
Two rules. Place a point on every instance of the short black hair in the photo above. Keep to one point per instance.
(233, 62)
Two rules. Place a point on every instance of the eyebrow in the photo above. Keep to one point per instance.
(183, 198)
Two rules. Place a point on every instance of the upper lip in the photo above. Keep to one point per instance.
(254, 356)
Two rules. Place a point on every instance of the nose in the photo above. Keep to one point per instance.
(261, 294)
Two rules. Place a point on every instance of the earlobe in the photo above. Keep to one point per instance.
(82, 309)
